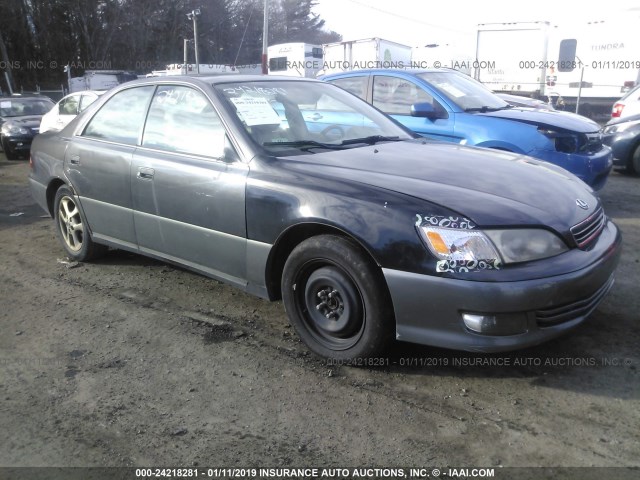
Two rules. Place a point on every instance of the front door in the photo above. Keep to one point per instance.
(189, 201)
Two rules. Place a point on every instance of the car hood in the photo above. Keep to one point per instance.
(29, 121)
(616, 121)
(489, 187)
(547, 118)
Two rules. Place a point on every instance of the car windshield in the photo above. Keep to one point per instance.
(463, 91)
(297, 117)
(20, 107)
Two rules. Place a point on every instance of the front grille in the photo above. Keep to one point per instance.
(587, 231)
(591, 142)
(556, 315)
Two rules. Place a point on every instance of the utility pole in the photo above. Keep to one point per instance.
(186, 57)
(194, 16)
(265, 36)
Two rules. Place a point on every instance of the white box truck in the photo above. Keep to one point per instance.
(365, 53)
(294, 59)
(584, 66)
(99, 80)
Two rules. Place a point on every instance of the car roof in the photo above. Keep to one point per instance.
(215, 79)
(412, 72)
(25, 97)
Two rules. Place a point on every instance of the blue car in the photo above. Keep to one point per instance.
(448, 105)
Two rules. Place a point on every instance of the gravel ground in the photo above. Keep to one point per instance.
(131, 362)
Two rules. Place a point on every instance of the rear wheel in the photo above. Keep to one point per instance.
(72, 229)
(336, 299)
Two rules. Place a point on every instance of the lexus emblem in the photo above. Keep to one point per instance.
(582, 204)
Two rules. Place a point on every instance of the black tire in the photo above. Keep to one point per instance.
(9, 152)
(633, 166)
(336, 299)
(72, 228)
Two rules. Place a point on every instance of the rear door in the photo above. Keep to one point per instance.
(189, 201)
(98, 164)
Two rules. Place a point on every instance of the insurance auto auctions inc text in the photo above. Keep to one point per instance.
(347, 472)
(366, 64)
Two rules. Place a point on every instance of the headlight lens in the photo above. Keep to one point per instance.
(492, 246)
(524, 245)
(459, 244)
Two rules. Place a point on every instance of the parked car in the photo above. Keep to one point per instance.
(628, 105)
(294, 188)
(66, 109)
(623, 136)
(448, 105)
(20, 122)
(520, 101)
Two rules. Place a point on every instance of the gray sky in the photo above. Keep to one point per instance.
(419, 22)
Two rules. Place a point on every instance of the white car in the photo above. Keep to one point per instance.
(627, 105)
(66, 109)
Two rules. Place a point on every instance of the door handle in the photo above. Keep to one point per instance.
(316, 116)
(74, 159)
(146, 173)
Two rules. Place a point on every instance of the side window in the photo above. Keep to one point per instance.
(395, 96)
(69, 106)
(85, 101)
(121, 118)
(182, 119)
(355, 85)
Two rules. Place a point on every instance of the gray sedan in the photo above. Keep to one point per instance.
(295, 189)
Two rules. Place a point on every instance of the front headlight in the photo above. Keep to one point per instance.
(459, 245)
(460, 250)
(12, 129)
(565, 142)
(620, 127)
(524, 245)
(469, 249)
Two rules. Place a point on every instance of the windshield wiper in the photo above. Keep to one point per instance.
(305, 145)
(372, 140)
(485, 109)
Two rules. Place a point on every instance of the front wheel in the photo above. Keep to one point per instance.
(633, 166)
(72, 229)
(336, 299)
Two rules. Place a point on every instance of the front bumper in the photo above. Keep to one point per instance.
(621, 145)
(593, 168)
(19, 144)
(429, 308)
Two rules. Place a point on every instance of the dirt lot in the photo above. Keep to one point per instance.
(132, 362)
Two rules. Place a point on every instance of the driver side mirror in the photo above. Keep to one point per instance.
(426, 110)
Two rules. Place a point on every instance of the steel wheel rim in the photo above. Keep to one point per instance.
(331, 305)
(70, 224)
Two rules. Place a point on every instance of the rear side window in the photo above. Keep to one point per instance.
(395, 95)
(354, 85)
(183, 120)
(122, 117)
